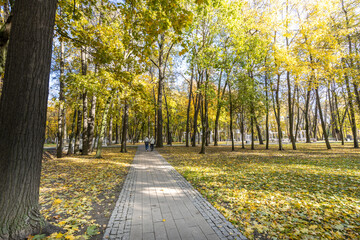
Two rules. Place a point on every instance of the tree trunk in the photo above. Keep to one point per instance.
(102, 129)
(169, 140)
(91, 123)
(78, 130)
(188, 111)
(352, 112)
(23, 108)
(218, 110)
(196, 113)
(277, 113)
(242, 130)
(252, 133)
(72, 134)
(124, 128)
(85, 137)
(61, 116)
(307, 103)
(290, 111)
(231, 120)
(267, 112)
(322, 119)
(110, 129)
(258, 130)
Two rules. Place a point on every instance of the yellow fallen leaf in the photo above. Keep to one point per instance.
(57, 201)
(164, 220)
(59, 235)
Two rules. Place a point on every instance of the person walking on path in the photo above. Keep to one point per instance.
(152, 143)
(146, 140)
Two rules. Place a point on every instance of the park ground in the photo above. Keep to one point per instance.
(268, 194)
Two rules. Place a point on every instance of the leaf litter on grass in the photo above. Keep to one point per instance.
(76, 190)
(304, 194)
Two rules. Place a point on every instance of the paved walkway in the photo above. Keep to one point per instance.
(156, 202)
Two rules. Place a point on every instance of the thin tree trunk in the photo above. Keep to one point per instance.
(124, 128)
(259, 131)
(307, 103)
(59, 150)
(91, 123)
(103, 127)
(110, 128)
(277, 113)
(72, 134)
(78, 130)
(169, 140)
(188, 111)
(242, 130)
(231, 120)
(290, 111)
(352, 112)
(322, 119)
(23, 108)
(267, 112)
(196, 113)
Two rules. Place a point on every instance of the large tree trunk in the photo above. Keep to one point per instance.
(23, 108)
(322, 119)
(61, 116)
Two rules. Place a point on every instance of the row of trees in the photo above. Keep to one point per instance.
(270, 69)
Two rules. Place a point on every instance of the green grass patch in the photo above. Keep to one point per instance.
(304, 194)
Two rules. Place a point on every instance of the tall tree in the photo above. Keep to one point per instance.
(23, 117)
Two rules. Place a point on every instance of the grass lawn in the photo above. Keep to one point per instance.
(78, 193)
(269, 194)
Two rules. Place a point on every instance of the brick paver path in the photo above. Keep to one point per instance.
(156, 202)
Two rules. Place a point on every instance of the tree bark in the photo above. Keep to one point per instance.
(169, 138)
(231, 120)
(60, 135)
(124, 128)
(78, 130)
(110, 128)
(102, 129)
(322, 119)
(91, 123)
(307, 103)
(72, 134)
(277, 112)
(290, 111)
(267, 112)
(352, 112)
(85, 136)
(23, 108)
(188, 111)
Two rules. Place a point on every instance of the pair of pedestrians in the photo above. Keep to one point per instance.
(150, 141)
